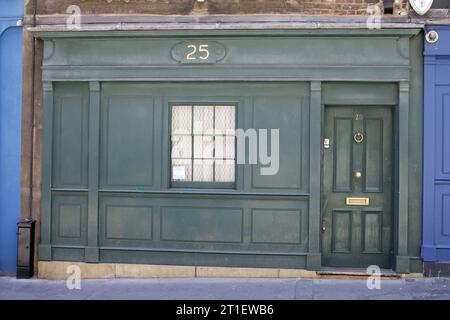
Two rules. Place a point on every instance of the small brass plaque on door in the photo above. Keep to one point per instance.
(351, 201)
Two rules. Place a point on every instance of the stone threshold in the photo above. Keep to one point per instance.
(59, 270)
(361, 273)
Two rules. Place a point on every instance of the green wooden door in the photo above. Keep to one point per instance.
(357, 185)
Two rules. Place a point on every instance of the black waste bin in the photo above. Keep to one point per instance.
(25, 249)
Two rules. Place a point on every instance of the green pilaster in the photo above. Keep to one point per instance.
(92, 251)
(315, 119)
(45, 251)
(402, 259)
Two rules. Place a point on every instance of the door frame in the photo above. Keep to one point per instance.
(322, 96)
(393, 171)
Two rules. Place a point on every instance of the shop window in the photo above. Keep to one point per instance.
(203, 145)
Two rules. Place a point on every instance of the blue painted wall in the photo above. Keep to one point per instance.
(10, 119)
(436, 191)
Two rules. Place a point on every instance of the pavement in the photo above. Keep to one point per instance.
(225, 289)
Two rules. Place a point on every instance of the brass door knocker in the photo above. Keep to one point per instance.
(358, 137)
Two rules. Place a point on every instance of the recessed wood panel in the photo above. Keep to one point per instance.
(127, 141)
(284, 114)
(128, 222)
(446, 214)
(446, 134)
(276, 226)
(341, 231)
(69, 223)
(70, 136)
(201, 224)
(442, 133)
(342, 152)
(373, 155)
(372, 226)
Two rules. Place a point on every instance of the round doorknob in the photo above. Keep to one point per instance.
(358, 174)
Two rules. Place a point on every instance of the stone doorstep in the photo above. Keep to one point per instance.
(57, 270)
(360, 273)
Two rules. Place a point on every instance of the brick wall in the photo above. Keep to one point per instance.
(184, 7)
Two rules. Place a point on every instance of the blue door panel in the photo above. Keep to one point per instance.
(442, 132)
(442, 214)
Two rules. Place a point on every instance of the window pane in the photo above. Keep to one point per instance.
(181, 147)
(224, 147)
(203, 120)
(181, 170)
(224, 170)
(224, 120)
(203, 147)
(204, 170)
(181, 120)
(230, 148)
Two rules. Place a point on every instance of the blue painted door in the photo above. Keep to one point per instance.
(436, 201)
(10, 119)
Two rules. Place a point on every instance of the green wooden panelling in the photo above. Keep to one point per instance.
(70, 148)
(259, 100)
(373, 233)
(126, 199)
(197, 223)
(315, 147)
(230, 258)
(359, 93)
(68, 253)
(127, 138)
(91, 254)
(69, 219)
(415, 154)
(128, 222)
(343, 161)
(402, 263)
(201, 224)
(276, 226)
(45, 250)
(341, 232)
(295, 55)
(373, 162)
(364, 51)
(283, 111)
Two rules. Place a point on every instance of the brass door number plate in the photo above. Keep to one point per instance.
(351, 201)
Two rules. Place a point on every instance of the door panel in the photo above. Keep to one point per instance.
(343, 160)
(357, 164)
(373, 156)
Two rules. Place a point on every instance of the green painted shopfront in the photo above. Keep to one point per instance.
(140, 164)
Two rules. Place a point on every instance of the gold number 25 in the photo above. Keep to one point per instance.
(202, 49)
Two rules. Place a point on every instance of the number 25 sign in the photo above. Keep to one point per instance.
(187, 52)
